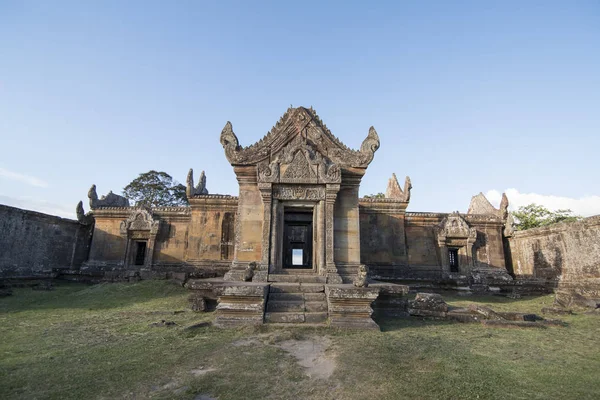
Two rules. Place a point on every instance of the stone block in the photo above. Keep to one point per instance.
(284, 317)
(315, 297)
(285, 306)
(315, 317)
(241, 304)
(428, 301)
(315, 306)
(426, 313)
(350, 306)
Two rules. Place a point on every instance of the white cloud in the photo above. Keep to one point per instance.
(584, 206)
(42, 206)
(29, 180)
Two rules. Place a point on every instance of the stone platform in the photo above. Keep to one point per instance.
(297, 303)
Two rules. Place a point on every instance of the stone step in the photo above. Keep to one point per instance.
(285, 317)
(315, 297)
(285, 306)
(315, 317)
(286, 287)
(275, 296)
(315, 306)
(297, 278)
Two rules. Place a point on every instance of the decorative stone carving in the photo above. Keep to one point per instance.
(82, 217)
(509, 226)
(268, 172)
(140, 220)
(395, 192)
(369, 146)
(249, 272)
(282, 192)
(454, 231)
(503, 212)
(303, 124)
(200, 189)
(481, 205)
(299, 170)
(361, 279)
(454, 226)
(110, 200)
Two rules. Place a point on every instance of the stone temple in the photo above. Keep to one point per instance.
(298, 226)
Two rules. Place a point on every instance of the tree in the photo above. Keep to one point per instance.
(154, 189)
(375, 196)
(534, 215)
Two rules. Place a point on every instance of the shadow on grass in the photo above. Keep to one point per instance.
(67, 295)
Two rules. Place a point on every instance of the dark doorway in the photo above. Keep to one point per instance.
(298, 239)
(227, 235)
(140, 253)
(453, 257)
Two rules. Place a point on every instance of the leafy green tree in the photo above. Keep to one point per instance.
(155, 189)
(375, 196)
(534, 215)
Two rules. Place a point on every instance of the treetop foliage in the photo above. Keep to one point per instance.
(375, 196)
(155, 189)
(534, 216)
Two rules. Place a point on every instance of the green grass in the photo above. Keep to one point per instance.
(81, 342)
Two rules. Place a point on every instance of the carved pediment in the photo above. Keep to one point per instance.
(299, 123)
(299, 162)
(454, 226)
(140, 220)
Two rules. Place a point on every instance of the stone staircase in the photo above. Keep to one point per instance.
(297, 303)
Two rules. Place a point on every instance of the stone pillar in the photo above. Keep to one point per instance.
(444, 257)
(332, 273)
(266, 195)
(322, 269)
(274, 236)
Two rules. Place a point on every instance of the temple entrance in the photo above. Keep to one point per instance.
(298, 239)
(453, 259)
(140, 252)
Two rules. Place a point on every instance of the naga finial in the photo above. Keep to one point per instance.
(200, 189)
(229, 141)
(407, 187)
(369, 146)
(82, 217)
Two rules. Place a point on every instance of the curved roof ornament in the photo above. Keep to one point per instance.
(229, 141)
(303, 122)
(369, 146)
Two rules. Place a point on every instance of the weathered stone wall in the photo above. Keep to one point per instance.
(32, 243)
(568, 253)
(382, 236)
(488, 248)
(395, 243)
(347, 226)
(108, 245)
(187, 237)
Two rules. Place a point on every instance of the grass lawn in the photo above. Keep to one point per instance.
(82, 342)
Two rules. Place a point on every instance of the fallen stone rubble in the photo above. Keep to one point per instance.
(432, 305)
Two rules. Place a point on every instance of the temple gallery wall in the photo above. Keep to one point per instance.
(298, 217)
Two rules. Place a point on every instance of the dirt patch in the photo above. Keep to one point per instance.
(312, 354)
(202, 371)
(246, 342)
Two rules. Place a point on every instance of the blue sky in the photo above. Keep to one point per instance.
(466, 96)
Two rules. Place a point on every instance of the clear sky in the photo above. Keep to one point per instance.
(467, 96)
